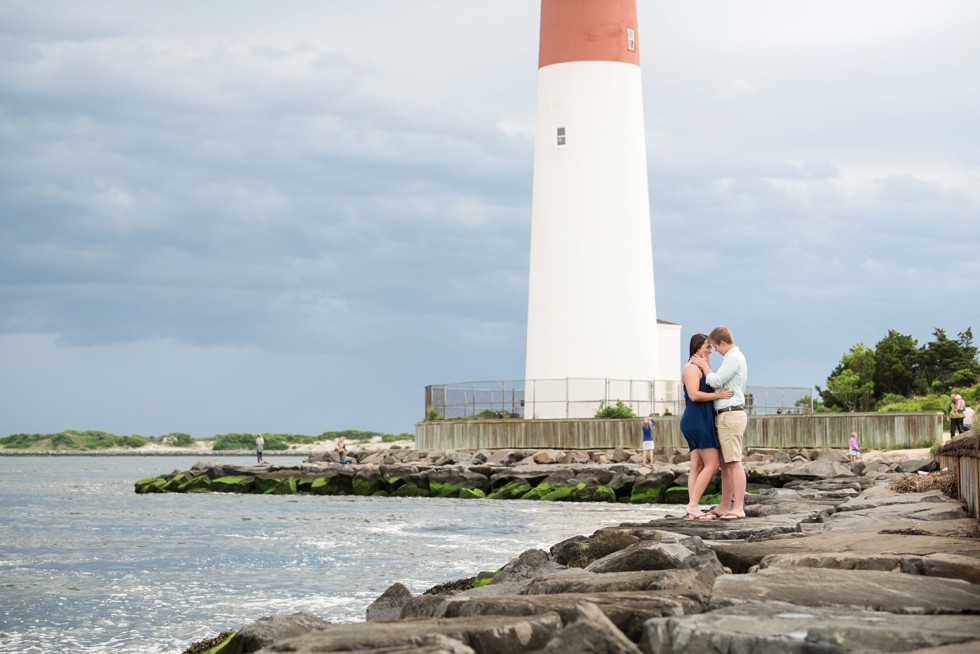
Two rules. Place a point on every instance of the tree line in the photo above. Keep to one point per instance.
(898, 368)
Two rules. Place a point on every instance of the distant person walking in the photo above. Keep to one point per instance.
(342, 450)
(955, 410)
(648, 424)
(852, 447)
(968, 416)
(259, 446)
(698, 425)
(730, 420)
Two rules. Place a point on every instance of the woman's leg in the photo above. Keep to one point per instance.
(709, 466)
(696, 466)
(727, 492)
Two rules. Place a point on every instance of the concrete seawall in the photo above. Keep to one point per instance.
(879, 431)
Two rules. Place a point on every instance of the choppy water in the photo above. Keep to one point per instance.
(86, 565)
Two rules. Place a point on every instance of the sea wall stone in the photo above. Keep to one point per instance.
(543, 475)
(810, 569)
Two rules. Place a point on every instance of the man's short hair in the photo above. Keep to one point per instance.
(721, 335)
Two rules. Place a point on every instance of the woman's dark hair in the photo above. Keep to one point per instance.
(696, 342)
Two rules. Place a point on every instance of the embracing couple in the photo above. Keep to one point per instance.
(714, 422)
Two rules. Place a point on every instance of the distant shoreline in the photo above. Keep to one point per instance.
(161, 452)
(205, 449)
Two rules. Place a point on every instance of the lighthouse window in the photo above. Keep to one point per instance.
(560, 137)
(630, 39)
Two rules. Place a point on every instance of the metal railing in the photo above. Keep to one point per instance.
(578, 398)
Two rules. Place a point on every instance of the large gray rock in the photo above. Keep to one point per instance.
(913, 465)
(484, 634)
(388, 607)
(695, 582)
(643, 556)
(748, 529)
(819, 470)
(271, 629)
(866, 589)
(950, 566)
(590, 633)
(838, 456)
(779, 628)
(626, 610)
(459, 476)
(580, 551)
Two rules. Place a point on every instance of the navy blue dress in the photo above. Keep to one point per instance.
(698, 422)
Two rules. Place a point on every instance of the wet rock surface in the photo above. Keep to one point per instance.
(838, 564)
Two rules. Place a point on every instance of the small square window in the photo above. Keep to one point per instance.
(630, 39)
(560, 137)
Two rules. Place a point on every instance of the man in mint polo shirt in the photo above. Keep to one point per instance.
(730, 420)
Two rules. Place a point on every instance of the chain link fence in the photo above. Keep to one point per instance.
(578, 398)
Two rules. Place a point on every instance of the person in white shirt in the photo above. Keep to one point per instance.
(968, 416)
(730, 420)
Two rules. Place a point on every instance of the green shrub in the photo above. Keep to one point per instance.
(619, 411)
(391, 438)
(177, 439)
(273, 442)
(64, 441)
(135, 441)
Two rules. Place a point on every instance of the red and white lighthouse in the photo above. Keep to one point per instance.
(592, 318)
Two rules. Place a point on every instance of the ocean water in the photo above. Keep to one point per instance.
(87, 565)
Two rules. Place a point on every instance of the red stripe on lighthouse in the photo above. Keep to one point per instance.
(587, 30)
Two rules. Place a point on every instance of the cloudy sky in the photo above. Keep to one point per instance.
(292, 216)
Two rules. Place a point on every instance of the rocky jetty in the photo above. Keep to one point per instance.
(830, 557)
(546, 475)
(834, 564)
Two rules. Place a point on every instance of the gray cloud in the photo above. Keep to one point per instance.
(318, 208)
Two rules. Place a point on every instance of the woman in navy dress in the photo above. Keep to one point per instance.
(698, 426)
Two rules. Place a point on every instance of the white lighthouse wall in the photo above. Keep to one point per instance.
(591, 309)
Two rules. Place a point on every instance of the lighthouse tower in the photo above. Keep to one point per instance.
(592, 328)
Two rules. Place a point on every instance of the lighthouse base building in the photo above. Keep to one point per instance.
(593, 336)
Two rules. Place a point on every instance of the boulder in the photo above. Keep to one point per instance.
(651, 487)
(527, 566)
(580, 551)
(627, 611)
(378, 457)
(367, 481)
(575, 457)
(591, 632)
(272, 629)
(448, 481)
(951, 566)
(548, 456)
(819, 470)
(914, 465)
(864, 589)
(388, 607)
(778, 628)
(643, 556)
(840, 456)
(483, 634)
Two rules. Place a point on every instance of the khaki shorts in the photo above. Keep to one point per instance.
(731, 428)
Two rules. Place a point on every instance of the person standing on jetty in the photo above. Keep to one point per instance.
(852, 447)
(342, 449)
(648, 424)
(698, 425)
(730, 420)
(259, 446)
